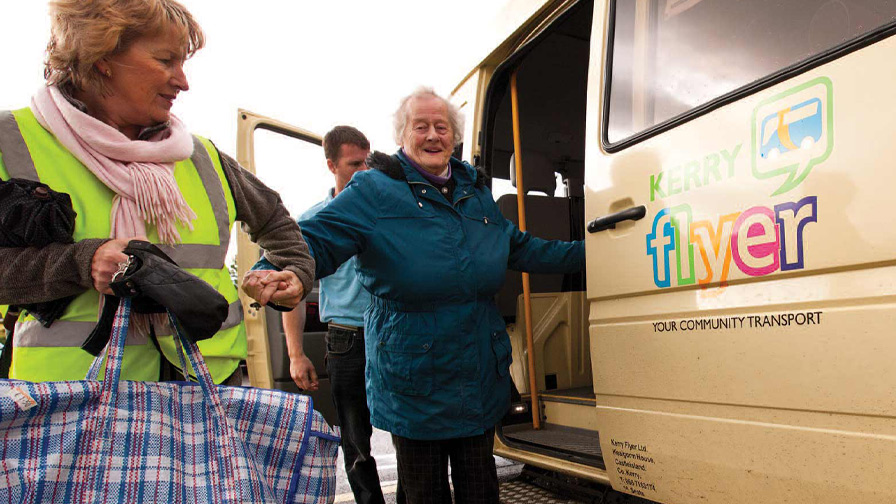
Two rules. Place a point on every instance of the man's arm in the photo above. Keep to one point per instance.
(300, 367)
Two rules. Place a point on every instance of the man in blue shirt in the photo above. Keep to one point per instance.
(342, 305)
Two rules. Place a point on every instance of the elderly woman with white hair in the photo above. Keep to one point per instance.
(432, 250)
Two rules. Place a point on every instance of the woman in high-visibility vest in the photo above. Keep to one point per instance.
(102, 131)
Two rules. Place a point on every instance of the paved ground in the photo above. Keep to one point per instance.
(513, 489)
(384, 454)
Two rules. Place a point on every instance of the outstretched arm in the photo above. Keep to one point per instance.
(535, 255)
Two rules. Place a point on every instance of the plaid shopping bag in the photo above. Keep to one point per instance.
(119, 441)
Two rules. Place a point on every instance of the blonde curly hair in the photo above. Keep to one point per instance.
(85, 31)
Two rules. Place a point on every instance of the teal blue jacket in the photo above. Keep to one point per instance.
(438, 354)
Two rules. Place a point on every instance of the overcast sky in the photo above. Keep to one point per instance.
(311, 64)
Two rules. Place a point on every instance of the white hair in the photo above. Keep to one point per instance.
(400, 118)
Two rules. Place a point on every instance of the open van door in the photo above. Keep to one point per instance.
(286, 158)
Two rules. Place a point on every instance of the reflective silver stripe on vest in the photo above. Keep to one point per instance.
(17, 160)
(234, 318)
(64, 333)
(191, 255)
(16, 157)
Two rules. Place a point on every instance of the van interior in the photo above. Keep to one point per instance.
(552, 76)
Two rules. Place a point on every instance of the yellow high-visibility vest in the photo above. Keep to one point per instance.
(29, 151)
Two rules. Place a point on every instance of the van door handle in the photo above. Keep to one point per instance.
(610, 221)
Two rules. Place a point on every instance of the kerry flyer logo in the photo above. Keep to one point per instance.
(792, 132)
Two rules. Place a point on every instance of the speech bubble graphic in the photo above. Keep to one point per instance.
(792, 132)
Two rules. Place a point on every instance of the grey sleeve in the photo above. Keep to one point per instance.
(269, 224)
(34, 275)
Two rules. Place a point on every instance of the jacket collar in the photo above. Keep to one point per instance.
(460, 172)
(398, 167)
(394, 167)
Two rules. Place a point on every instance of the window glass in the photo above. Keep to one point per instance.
(294, 168)
(670, 56)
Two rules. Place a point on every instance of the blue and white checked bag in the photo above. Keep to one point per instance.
(119, 441)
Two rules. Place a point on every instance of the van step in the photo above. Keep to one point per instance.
(559, 440)
(579, 395)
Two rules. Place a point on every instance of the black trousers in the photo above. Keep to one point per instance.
(423, 469)
(345, 365)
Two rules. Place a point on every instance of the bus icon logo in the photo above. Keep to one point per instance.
(793, 128)
(793, 132)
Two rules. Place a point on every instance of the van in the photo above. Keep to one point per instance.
(729, 166)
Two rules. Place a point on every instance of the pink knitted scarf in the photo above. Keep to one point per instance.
(140, 172)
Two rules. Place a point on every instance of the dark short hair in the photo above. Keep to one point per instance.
(342, 135)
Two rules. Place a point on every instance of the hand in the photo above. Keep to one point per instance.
(281, 287)
(105, 262)
(290, 291)
(302, 371)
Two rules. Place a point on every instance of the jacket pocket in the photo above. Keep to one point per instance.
(405, 364)
(481, 209)
(502, 350)
(408, 210)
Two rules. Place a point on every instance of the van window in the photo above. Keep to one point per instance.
(296, 169)
(670, 56)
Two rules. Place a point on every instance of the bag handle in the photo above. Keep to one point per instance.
(232, 448)
(111, 357)
(185, 345)
(119, 331)
(114, 348)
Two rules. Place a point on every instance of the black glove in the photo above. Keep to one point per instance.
(156, 284)
(33, 215)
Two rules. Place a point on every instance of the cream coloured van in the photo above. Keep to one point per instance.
(729, 165)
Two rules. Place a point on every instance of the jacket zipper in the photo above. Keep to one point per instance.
(452, 205)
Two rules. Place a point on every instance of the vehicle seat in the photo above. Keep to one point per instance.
(547, 217)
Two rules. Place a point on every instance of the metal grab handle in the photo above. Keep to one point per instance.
(610, 221)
